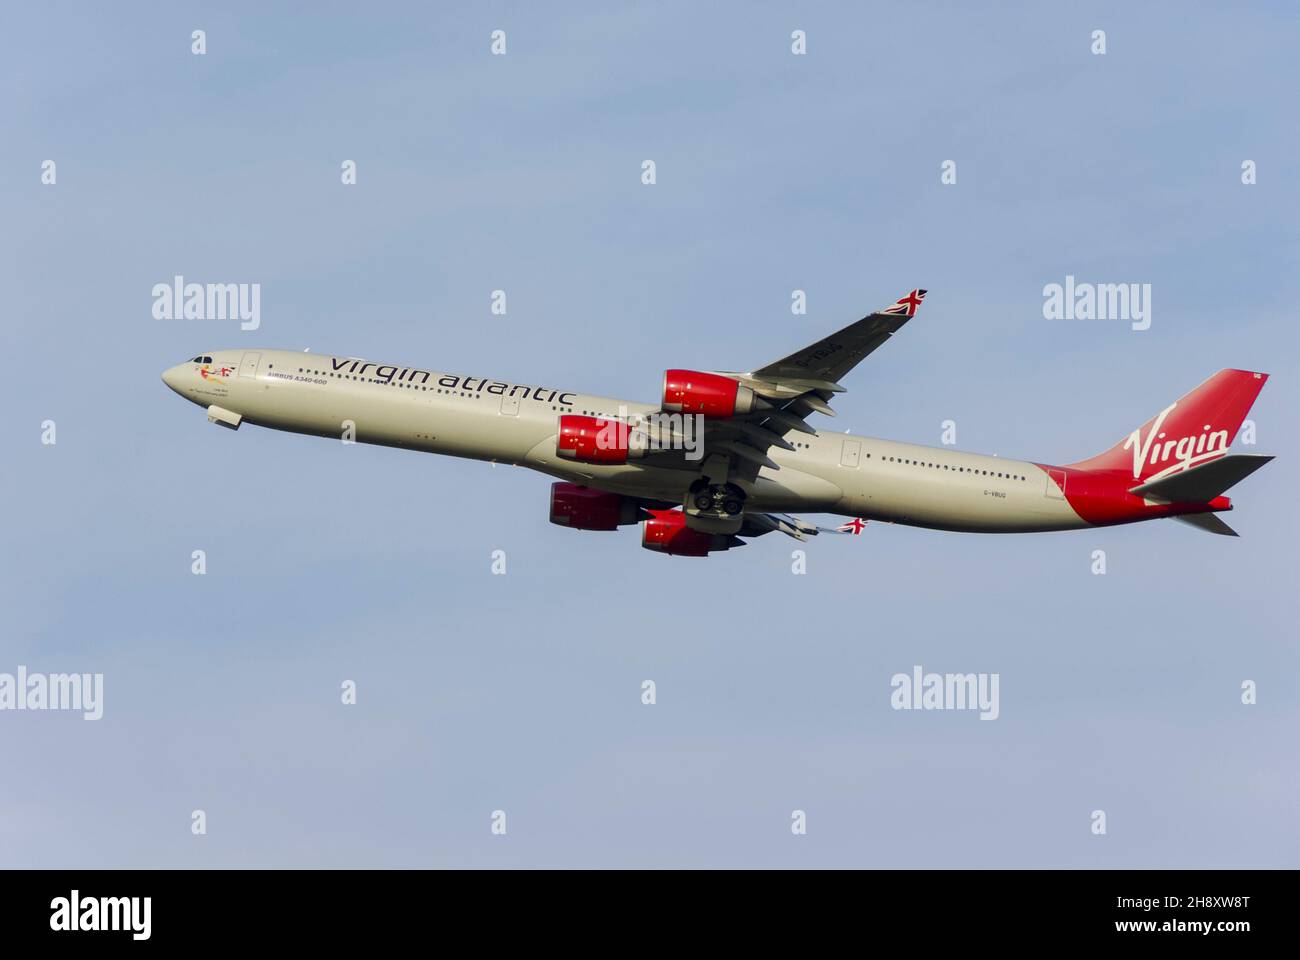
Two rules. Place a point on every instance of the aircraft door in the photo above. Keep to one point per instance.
(851, 453)
(509, 406)
(1055, 484)
(248, 365)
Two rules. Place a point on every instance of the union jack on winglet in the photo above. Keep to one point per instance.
(906, 306)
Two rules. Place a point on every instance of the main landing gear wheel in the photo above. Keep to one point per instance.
(718, 498)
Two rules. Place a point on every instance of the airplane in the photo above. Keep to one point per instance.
(726, 456)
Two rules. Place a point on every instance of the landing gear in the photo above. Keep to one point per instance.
(718, 499)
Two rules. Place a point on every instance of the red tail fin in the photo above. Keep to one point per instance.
(1194, 429)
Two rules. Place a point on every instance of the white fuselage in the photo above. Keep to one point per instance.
(484, 419)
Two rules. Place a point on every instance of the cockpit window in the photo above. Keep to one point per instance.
(201, 360)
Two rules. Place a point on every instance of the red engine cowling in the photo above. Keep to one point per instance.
(666, 532)
(710, 394)
(596, 440)
(583, 508)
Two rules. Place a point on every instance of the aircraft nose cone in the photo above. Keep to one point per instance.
(172, 377)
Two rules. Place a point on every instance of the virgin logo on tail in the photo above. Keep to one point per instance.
(1186, 451)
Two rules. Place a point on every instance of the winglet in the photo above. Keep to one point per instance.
(906, 305)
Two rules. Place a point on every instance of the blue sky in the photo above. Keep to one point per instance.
(522, 692)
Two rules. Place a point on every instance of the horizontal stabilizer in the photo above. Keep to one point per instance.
(1202, 484)
(757, 524)
(1208, 522)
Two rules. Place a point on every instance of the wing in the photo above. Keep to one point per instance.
(825, 362)
(794, 387)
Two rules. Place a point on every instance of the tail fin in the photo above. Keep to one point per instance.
(1194, 429)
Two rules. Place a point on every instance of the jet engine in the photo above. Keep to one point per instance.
(666, 532)
(709, 394)
(598, 440)
(583, 508)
